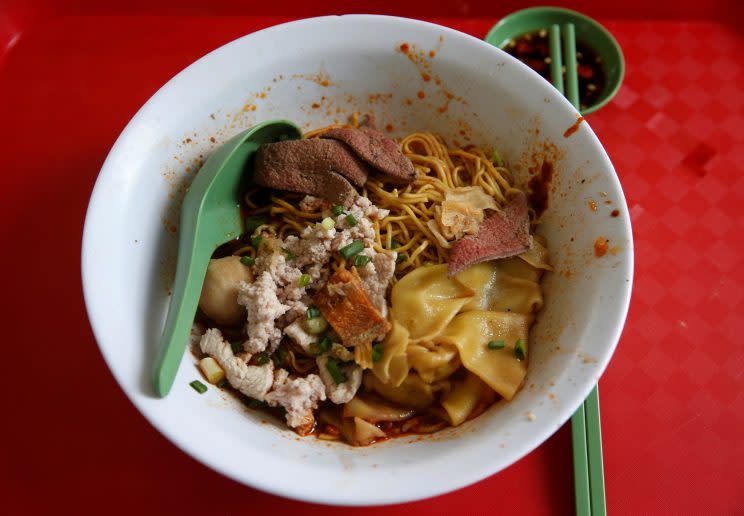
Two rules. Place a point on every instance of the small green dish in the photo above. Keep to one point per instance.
(588, 32)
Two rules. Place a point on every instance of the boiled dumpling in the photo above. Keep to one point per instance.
(219, 295)
(413, 392)
(499, 368)
(392, 367)
(463, 397)
(497, 290)
(425, 300)
(433, 361)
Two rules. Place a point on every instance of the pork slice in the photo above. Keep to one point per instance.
(253, 381)
(298, 396)
(505, 233)
(323, 168)
(378, 150)
(340, 393)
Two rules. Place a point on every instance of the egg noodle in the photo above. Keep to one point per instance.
(407, 228)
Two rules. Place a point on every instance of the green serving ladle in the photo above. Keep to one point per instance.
(210, 217)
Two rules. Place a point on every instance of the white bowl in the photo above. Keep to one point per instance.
(128, 255)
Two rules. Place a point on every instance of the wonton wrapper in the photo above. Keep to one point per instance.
(472, 331)
(462, 211)
(460, 401)
(413, 392)
(425, 300)
(537, 255)
(499, 291)
(392, 367)
(433, 361)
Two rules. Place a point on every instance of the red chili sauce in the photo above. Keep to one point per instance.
(533, 49)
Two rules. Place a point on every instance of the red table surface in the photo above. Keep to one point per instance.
(672, 397)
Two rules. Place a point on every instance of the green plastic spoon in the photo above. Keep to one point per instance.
(210, 216)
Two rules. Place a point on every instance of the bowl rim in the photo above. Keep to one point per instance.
(267, 483)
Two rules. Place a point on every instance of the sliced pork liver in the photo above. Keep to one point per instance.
(323, 168)
(504, 234)
(378, 150)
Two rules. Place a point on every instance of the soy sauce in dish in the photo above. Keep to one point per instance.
(533, 49)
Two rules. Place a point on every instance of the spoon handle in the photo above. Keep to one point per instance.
(192, 267)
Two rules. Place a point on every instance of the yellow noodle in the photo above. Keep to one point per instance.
(439, 168)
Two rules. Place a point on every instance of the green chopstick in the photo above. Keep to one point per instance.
(556, 63)
(569, 58)
(581, 462)
(594, 442)
(586, 429)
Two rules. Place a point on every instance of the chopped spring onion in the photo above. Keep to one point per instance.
(401, 258)
(361, 260)
(200, 387)
(256, 241)
(350, 220)
(322, 346)
(247, 260)
(394, 244)
(376, 351)
(237, 346)
(352, 249)
(262, 358)
(338, 210)
(254, 403)
(325, 344)
(212, 370)
(223, 384)
(496, 344)
(253, 223)
(316, 325)
(519, 350)
(290, 254)
(280, 356)
(336, 373)
(304, 280)
(496, 159)
(313, 312)
(328, 223)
